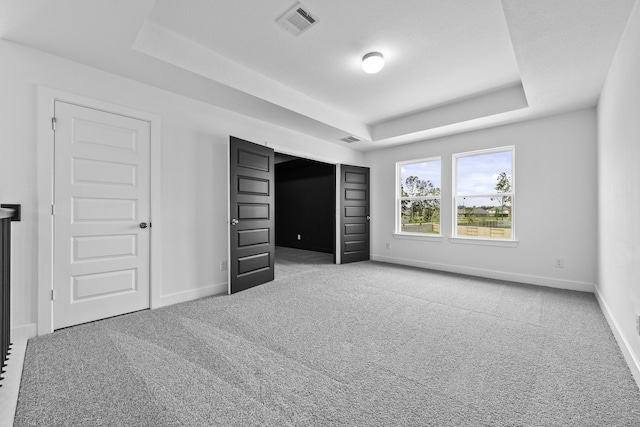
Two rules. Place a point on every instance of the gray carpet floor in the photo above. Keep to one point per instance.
(364, 344)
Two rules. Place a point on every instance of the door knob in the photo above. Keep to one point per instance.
(368, 218)
(234, 221)
(143, 225)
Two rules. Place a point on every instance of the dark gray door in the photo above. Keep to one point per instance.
(354, 215)
(251, 204)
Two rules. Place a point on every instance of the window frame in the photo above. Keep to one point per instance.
(455, 195)
(399, 199)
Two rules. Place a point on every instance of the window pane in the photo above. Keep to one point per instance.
(420, 179)
(483, 199)
(484, 216)
(484, 173)
(420, 216)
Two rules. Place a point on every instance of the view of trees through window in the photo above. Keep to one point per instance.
(484, 194)
(419, 196)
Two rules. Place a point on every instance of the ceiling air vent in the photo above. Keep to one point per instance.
(297, 19)
(350, 139)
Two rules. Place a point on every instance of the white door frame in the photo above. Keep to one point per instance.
(46, 99)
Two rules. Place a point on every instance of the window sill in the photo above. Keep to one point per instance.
(505, 243)
(418, 236)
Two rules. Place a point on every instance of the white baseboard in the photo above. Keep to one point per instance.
(24, 332)
(632, 359)
(192, 294)
(492, 274)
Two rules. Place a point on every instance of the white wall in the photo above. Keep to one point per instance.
(194, 169)
(619, 191)
(555, 205)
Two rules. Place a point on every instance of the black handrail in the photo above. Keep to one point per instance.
(5, 287)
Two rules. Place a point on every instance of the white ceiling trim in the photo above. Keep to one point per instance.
(165, 45)
(487, 104)
(506, 118)
(490, 52)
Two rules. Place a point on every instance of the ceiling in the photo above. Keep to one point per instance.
(451, 66)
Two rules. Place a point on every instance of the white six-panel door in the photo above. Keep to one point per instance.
(101, 198)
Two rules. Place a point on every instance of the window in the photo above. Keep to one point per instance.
(484, 193)
(418, 200)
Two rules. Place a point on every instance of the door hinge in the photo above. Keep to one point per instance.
(53, 210)
(53, 294)
(53, 123)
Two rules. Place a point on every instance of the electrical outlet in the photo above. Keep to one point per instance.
(223, 265)
(299, 237)
(558, 263)
(638, 323)
(388, 245)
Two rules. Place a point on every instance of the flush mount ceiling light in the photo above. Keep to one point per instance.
(372, 62)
